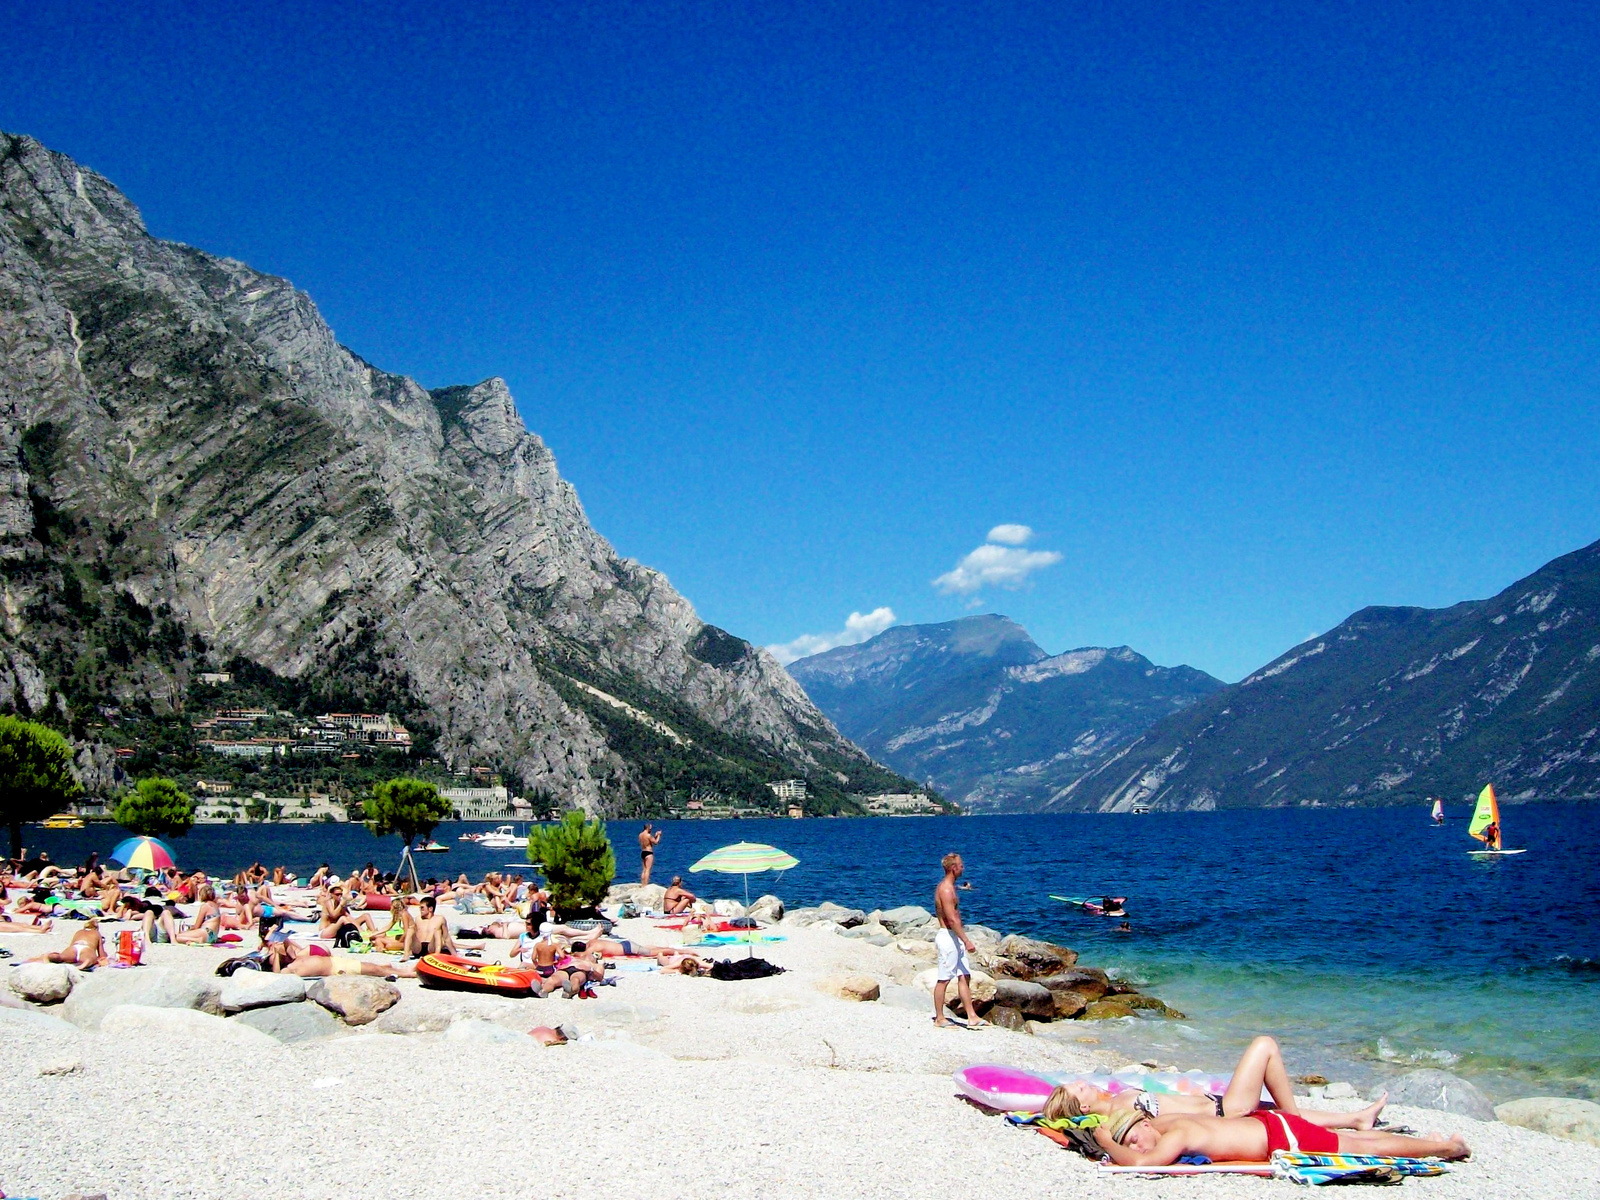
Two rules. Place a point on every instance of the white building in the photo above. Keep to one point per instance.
(789, 789)
(481, 803)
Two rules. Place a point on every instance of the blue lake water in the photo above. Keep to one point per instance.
(1367, 940)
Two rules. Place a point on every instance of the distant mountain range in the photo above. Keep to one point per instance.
(978, 710)
(1393, 705)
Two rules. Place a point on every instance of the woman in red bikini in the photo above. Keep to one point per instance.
(1134, 1140)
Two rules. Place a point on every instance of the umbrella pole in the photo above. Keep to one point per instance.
(749, 934)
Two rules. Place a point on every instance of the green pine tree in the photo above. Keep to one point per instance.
(35, 774)
(412, 808)
(577, 860)
(156, 807)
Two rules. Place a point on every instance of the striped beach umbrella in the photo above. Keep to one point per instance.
(747, 859)
(146, 853)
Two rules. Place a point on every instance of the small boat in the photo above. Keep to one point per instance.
(1438, 813)
(431, 848)
(1097, 906)
(1485, 825)
(1140, 809)
(64, 821)
(465, 974)
(505, 837)
(470, 837)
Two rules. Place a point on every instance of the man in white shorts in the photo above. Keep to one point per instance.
(953, 945)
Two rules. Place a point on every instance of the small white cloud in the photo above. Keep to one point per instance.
(1011, 535)
(858, 627)
(1000, 561)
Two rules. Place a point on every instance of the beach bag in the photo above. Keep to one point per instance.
(743, 968)
(130, 948)
(247, 963)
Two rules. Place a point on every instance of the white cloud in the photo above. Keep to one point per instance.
(1000, 562)
(858, 627)
(1011, 535)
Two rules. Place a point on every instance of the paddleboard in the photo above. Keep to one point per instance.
(1495, 853)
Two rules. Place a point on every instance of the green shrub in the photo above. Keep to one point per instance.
(578, 862)
(156, 807)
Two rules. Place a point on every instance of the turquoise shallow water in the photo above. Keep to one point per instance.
(1365, 939)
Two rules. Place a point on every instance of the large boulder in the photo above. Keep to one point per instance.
(804, 916)
(291, 1023)
(767, 909)
(981, 983)
(1088, 982)
(1068, 1004)
(27, 1022)
(649, 896)
(357, 999)
(1449, 1093)
(1027, 957)
(1029, 999)
(727, 908)
(850, 987)
(143, 1021)
(869, 930)
(1106, 1010)
(43, 983)
(1574, 1120)
(840, 915)
(148, 987)
(1004, 1016)
(257, 989)
(906, 917)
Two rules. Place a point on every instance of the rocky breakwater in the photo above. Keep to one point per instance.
(1016, 981)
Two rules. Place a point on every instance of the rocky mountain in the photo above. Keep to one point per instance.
(977, 708)
(193, 471)
(1393, 705)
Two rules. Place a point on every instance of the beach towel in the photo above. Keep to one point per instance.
(1317, 1169)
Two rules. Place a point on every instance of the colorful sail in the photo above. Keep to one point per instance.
(1486, 814)
(1438, 809)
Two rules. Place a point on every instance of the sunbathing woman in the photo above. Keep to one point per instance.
(40, 925)
(678, 899)
(286, 958)
(1260, 1066)
(206, 925)
(1134, 1140)
(337, 917)
(398, 933)
(86, 950)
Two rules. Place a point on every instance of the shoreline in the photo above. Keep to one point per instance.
(692, 1087)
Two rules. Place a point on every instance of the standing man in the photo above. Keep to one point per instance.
(648, 842)
(953, 945)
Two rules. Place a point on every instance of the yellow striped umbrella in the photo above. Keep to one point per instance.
(747, 859)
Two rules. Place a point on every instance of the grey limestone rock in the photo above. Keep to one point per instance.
(905, 918)
(1449, 1093)
(254, 989)
(42, 983)
(291, 1023)
(150, 987)
(1559, 1116)
(358, 999)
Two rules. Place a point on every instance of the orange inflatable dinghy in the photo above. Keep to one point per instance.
(452, 971)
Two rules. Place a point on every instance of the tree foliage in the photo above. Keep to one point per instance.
(577, 860)
(412, 808)
(156, 807)
(36, 775)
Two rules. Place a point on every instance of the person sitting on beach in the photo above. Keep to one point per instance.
(430, 934)
(91, 880)
(255, 874)
(398, 934)
(161, 918)
(238, 911)
(337, 917)
(1261, 1066)
(86, 950)
(678, 899)
(1135, 1140)
(319, 876)
(206, 925)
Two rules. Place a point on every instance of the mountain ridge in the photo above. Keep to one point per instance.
(981, 711)
(192, 468)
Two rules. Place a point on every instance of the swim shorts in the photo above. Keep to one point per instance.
(346, 966)
(1285, 1131)
(952, 955)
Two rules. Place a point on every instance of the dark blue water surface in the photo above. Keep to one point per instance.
(1364, 938)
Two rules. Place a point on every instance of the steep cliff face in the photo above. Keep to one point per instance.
(1392, 705)
(978, 709)
(192, 468)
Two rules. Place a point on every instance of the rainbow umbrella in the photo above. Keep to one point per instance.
(145, 853)
(747, 859)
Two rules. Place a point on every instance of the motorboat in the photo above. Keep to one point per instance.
(504, 837)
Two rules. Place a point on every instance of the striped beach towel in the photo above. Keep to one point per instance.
(1300, 1167)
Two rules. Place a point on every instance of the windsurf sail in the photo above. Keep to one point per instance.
(1438, 810)
(1486, 814)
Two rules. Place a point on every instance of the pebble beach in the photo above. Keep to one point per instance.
(672, 1085)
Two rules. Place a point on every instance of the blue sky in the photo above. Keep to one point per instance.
(1251, 314)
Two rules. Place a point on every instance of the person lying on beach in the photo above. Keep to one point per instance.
(86, 950)
(678, 899)
(1260, 1066)
(285, 958)
(668, 958)
(506, 929)
(41, 902)
(1135, 1140)
(39, 925)
(430, 934)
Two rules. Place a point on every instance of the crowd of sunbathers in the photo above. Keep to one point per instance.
(368, 913)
